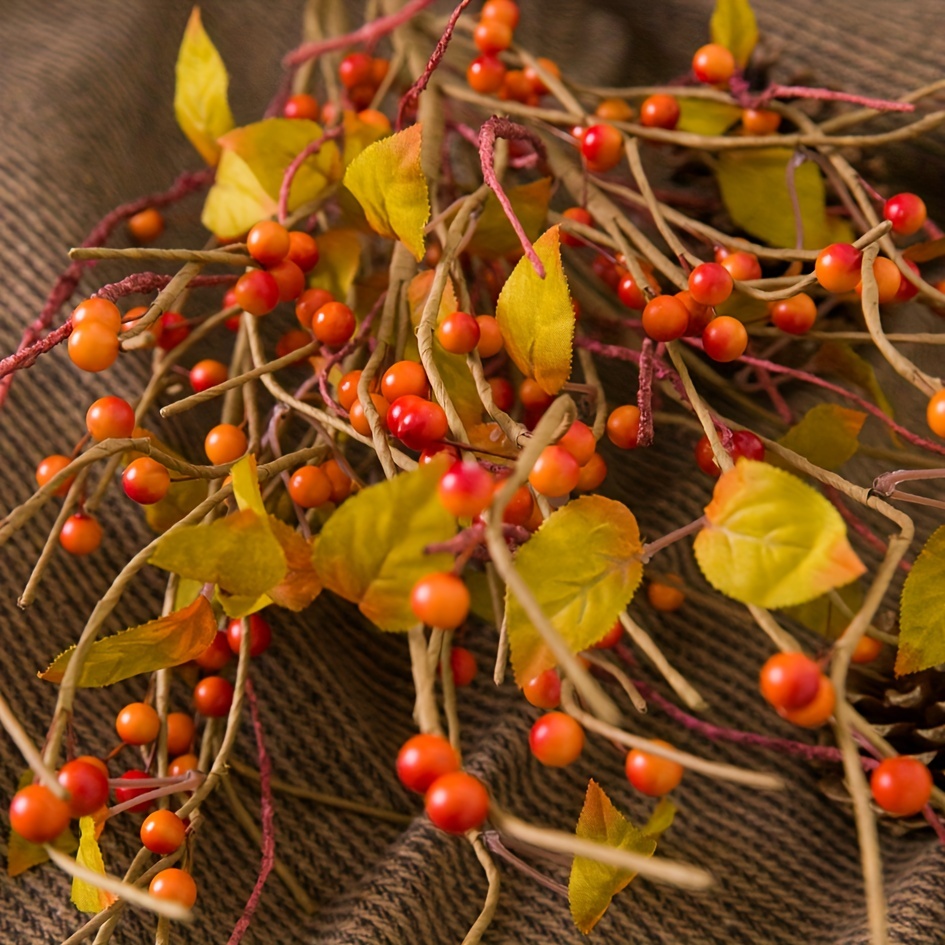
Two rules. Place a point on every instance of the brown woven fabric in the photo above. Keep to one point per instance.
(86, 123)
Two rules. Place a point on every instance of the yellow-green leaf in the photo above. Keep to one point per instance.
(733, 26)
(772, 540)
(839, 358)
(371, 550)
(827, 435)
(158, 644)
(85, 896)
(23, 855)
(200, 93)
(536, 317)
(755, 193)
(359, 135)
(239, 553)
(922, 610)
(494, 236)
(661, 819)
(339, 256)
(246, 487)
(702, 117)
(387, 179)
(583, 566)
(592, 885)
(269, 146)
(452, 367)
(236, 201)
(824, 615)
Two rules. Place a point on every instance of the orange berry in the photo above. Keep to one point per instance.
(225, 443)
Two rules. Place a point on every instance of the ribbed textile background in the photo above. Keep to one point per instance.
(86, 123)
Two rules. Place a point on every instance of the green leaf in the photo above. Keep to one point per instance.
(839, 358)
(236, 201)
(339, 257)
(387, 179)
(755, 193)
(827, 435)
(158, 644)
(702, 117)
(23, 855)
(269, 146)
(536, 317)
(733, 26)
(593, 885)
(583, 566)
(772, 540)
(85, 896)
(494, 237)
(824, 616)
(661, 819)
(922, 610)
(371, 550)
(200, 99)
(239, 553)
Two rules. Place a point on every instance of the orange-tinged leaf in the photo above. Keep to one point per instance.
(238, 552)
(536, 317)
(583, 566)
(827, 435)
(371, 550)
(23, 855)
(922, 610)
(387, 179)
(158, 644)
(200, 93)
(772, 540)
(85, 896)
(733, 26)
(592, 885)
(301, 584)
(494, 237)
(339, 256)
(359, 135)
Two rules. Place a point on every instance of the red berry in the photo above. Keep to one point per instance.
(485, 75)
(123, 794)
(651, 774)
(216, 655)
(87, 785)
(180, 731)
(760, 121)
(257, 292)
(623, 426)
(533, 396)
(544, 690)
(405, 377)
(503, 393)
(744, 444)
(490, 336)
(457, 802)
(710, 284)
(37, 815)
(268, 243)
(713, 64)
(146, 225)
(725, 338)
(51, 466)
(341, 484)
(659, 111)
(162, 832)
(347, 391)
(463, 666)
(906, 212)
(866, 650)
(458, 333)
(81, 534)
(174, 328)
(556, 740)
(175, 886)
(260, 635)
(359, 419)
(838, 267)
(505, 11)
(795, 315)
(309, 487)
(303, 250)
(145, 480)
(906, 289)
(790, 681)
(289, 278)
(333, 324)
(602, 147)
(301, 106)
(579, 442)
(355, 69)
(611, 638)
(592, 474)
(416, 422)
(110, 417)
(817, 711)
(665, 318)
(492, 36)
(741, 266)
(208, 373)
(578, 215)
(888, 279)
(555, 473)
(440, 600)
(309, 302)
(537, 83)
(213, 696)
(181, 765)
(901, 786)
(424, 758)
(465, 489)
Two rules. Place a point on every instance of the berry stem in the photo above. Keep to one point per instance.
(645, 392)
(493, 842)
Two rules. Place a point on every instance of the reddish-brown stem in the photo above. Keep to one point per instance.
(470, 539)
(268, 833)
(645, 394)
(313, 147)
(367, 34)
(492, 129)
(829, 95)
(652, 547)
(412, 95)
